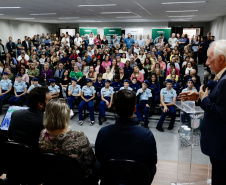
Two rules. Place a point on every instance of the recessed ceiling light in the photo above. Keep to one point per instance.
(9, 7)
(44, 14)
(113, 12)
(183, 16)
(188, 2)
(182, 11)
(1, 14)
(25, 18)
(180, 19)
(68, 17)
(97, 5)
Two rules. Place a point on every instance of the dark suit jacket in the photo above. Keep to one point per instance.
(9, 48)
(126, 140)
(25, 127)
(213, 127)
(25, 45)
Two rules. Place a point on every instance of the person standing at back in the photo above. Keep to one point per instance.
(129, 41)
(124, 139)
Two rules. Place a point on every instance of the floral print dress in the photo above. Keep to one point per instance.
(73, 144)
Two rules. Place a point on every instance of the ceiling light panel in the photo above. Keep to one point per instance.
(94, 5)
(187, 2)
(44, 14)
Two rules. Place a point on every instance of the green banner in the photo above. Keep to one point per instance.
(112, 31)
(83, 31)
(157, 32)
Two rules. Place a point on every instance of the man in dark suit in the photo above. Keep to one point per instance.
(27, 45)
(2, 51)
(213, 127)
(163, 39)
(26, 125)
(11, 47)
(60, 71)
(124, 139)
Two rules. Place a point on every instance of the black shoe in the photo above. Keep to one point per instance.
(145, 126)
(103, 119)
(100, 122)
(160, 129)
(170, 128)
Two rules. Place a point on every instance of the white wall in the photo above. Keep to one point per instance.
(218, 28)
(205, 25)
(100, 26)
(18, 29)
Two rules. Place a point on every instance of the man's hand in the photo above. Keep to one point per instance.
(203, 94)
(188, 96)
(165, 109)
(147, 105)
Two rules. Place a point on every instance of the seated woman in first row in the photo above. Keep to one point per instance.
(58, 138)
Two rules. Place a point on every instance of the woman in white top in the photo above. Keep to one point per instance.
(188, 68)
(136, 48)
(91, 39)
(85, 68)
(114, 67)
(123, 50)
(142, 56)
(108, 75)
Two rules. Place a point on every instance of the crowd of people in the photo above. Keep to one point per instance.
(83, 69)
(131, 76)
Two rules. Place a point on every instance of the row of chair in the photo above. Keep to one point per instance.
(23, 165)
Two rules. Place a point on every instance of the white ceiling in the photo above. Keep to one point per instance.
(143, 10)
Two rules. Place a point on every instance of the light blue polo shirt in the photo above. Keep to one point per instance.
(5, 84)
(20, 86)
(107, 92)
(88, 91)
(54, 89)
(168, 95)
(76, 89)
(145, 95)
(129, 88)
(32, 87)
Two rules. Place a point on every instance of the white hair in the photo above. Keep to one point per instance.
(220, 48)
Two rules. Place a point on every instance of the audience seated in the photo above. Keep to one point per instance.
(130, 62)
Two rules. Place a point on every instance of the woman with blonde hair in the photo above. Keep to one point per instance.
(33, 71)
(57, 137)
(136, 73)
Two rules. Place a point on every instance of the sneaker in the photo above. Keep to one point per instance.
(91, 123)
(71, 114)
(160, 129)
(80, 122)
